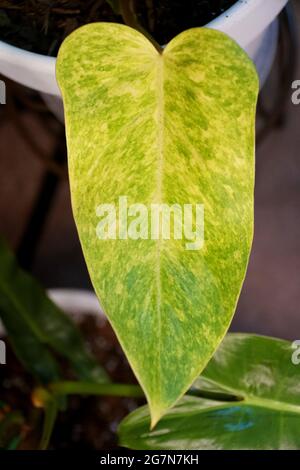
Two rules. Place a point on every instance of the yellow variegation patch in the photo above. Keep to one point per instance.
(172, 128)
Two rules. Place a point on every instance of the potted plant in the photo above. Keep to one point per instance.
(161, 164)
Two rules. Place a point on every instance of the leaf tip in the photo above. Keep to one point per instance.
(156, 415)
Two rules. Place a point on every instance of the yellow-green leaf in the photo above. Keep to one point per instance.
(170, 128)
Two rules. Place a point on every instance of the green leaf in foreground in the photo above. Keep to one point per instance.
(258, 370)
(34, 324)
(170, 128)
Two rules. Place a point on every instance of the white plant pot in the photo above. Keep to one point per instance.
(252, 23)
(74, 302)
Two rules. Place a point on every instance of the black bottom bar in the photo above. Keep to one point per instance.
(136, 459)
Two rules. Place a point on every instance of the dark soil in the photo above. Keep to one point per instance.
(41, 25)
(88, 422)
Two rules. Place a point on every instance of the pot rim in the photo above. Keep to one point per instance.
(73, 302)
(228, 22)
(246, 22)
(76, 301)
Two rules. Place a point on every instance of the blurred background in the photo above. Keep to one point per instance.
(36, 217)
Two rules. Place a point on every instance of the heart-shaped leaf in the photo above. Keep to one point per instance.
(175, 128)
(256, 369)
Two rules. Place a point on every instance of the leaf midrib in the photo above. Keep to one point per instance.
(259, 401)
(271, 404)
(159, 183)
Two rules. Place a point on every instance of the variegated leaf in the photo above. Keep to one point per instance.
(171, 128)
